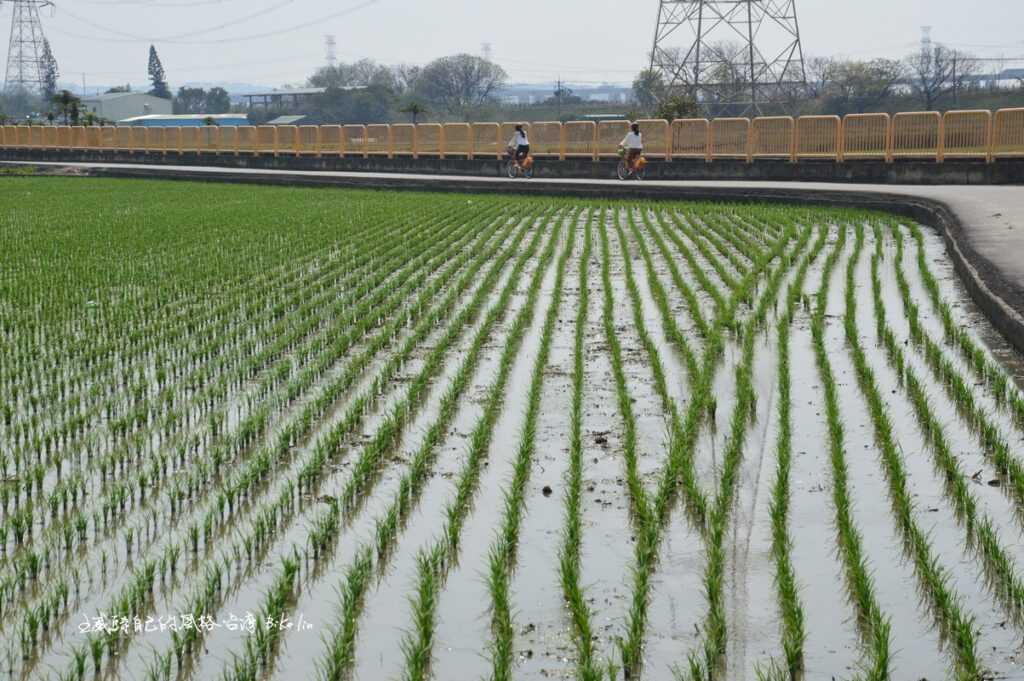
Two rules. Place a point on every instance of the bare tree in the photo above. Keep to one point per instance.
(821, 74)
(648, 89)
(460, 83)
(858, 86)
(937, 71)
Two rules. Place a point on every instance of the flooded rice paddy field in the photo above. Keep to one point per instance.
(252, 433)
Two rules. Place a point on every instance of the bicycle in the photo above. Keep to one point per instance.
(637, 171)
(514, 169)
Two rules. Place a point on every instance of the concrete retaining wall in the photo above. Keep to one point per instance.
(959, 171)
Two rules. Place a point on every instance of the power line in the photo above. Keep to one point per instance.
(132, 38)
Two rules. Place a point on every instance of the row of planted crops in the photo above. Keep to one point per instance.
(264, 432)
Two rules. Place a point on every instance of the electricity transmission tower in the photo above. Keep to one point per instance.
(732, 56)
(25, 50)
(332, 53)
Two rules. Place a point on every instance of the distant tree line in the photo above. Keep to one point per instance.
(934, 77)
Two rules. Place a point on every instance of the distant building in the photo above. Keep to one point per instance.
(286, 120)
(279, 99)
(115, 106)
(184, 120)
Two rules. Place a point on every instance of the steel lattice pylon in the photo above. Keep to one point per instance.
(733, 56)
(25, 50)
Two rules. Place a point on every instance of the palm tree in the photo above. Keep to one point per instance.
(414, 109)
(66, 104)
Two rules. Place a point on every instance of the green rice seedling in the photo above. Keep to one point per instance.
(981, 537)
(341, 652)
(993, 442)
(587, 668)
(1005, 393)
(872, 623)
(503, 550)
(956, 626)
(637, 495)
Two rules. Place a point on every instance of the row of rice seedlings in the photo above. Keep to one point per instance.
(725, 227)
(701, 241)
(1006, 394)
(873, 625)
(502, 554)
(220, 507)
(960, 391)
(569, 568)
(637, 495)
(708, 663)
(954, 624)
(682, 440)
(112, 467)
(981, 536)
(711, 230)
(696, 501)
(167, 395)
(433, 563)
(324, 529)
(154, 475)
(696, 269)
(669, 323)
(790, 607)
(689, 297)
(269, 519)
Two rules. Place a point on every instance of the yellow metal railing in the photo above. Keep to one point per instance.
(690, 138)
(966, 134)
(546, 139)
(730, 138)
(353, 140)
(429, 139)
(609, 135)
(228, 143)
(308, 139)
(330, 139)
(866, 136)
(487, 141)
(917, 135)
(657, 138)
(403, 139)
(378, 140)
(579, 139)
(818, 137)
(926, 135)
(771, 137)
(1008, 133)
(458, 140)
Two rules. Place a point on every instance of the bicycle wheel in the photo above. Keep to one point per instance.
(511, 169)
(640, 172)
(528, 172)
(622, 171)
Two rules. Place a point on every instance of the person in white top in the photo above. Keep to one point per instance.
(633, 143)
(520, 143)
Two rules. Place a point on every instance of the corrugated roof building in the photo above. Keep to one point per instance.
(185, 120)
(115, 106)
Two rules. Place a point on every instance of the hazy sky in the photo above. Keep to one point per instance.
(535, 40)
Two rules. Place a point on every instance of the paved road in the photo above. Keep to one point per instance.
(990, 234)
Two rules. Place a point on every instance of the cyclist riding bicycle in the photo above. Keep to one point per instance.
(519, 144)
(633, 143)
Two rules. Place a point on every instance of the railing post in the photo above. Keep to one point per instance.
(561, 142)
(794, 133)
(442, 142)
(889, 135)
(940, 148)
